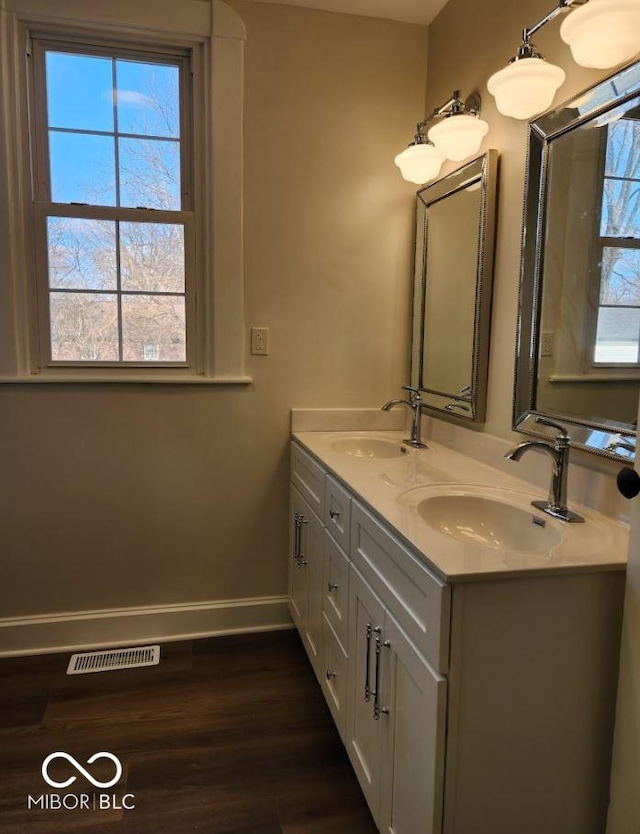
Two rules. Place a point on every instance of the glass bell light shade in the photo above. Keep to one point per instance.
(603, 33)
(525, 87)
(419, 163)
(459, 136)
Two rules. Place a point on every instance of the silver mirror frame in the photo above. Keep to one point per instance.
(468, 405)
(609, 440)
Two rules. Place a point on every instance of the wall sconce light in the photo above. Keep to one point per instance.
(457, 136)
(600, 33)
(420, 161)
(603, 33)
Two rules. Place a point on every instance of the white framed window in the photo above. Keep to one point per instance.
(615, 328)
(88, 292)
(113, 208)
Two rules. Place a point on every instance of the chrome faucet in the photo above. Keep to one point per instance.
(556, 505)
(463, 400)
(457, 406)
(621, 443)
(415, 404)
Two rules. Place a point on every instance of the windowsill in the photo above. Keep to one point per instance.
(119, 379)
(597, 377)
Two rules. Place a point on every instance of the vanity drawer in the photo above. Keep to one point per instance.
(335, 588)
(337, 512)
(333, 677)
(308, 477)
(418, 600)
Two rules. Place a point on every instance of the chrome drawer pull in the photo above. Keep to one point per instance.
(296, 538)
(377, 709)
(367, 676)
(332, 586)
(334, 515)
(301, 560)
(330, 675)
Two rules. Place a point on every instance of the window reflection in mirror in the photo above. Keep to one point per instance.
(578, 359)
(589, 348)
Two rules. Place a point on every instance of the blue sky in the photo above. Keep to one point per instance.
(80, 97)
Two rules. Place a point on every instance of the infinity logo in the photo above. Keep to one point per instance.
(80, 769)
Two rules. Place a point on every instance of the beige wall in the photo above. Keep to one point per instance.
(469, 41)
(130, 495)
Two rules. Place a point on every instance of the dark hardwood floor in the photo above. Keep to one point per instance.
(226, 735)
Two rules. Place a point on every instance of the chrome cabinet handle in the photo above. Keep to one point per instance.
(301, 560)
(377, 709)
(367, 674)
(296, 539)
(332, 586)
(334, 515)
(330, 675)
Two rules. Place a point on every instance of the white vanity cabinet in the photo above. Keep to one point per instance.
(483, 706)
(305, 576)
(395, 719)
(388, 702)
(398, 646)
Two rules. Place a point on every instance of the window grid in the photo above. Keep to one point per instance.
(623, 243)
(182, 217)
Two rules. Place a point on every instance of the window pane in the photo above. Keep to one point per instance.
(82, 254)
(79, 91)
(623, 149)
(620, 208)
(618, 335)
(152, 257)
(148, 98)
(153, 325)
(150, 173)
(84, 327)
(82, 169)
(620, 276)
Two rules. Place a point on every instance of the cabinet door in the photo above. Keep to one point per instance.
(311, 557)
(363, 736)
(305, 575)
(413, 738)
(298, 572)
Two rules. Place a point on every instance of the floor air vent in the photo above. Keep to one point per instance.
(81, 664)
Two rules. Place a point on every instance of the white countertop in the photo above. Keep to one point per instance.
(385, 486)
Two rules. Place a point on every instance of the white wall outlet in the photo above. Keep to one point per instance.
(546, 343)
(260, 341)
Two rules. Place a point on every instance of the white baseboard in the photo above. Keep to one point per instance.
(85, 630)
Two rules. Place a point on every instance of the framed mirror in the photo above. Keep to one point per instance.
(455, 223)
(578, 356)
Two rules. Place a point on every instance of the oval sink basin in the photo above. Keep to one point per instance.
(369, 447)
(489, 521)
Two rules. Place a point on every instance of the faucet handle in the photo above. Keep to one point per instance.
(416, 398)
(563, 434)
